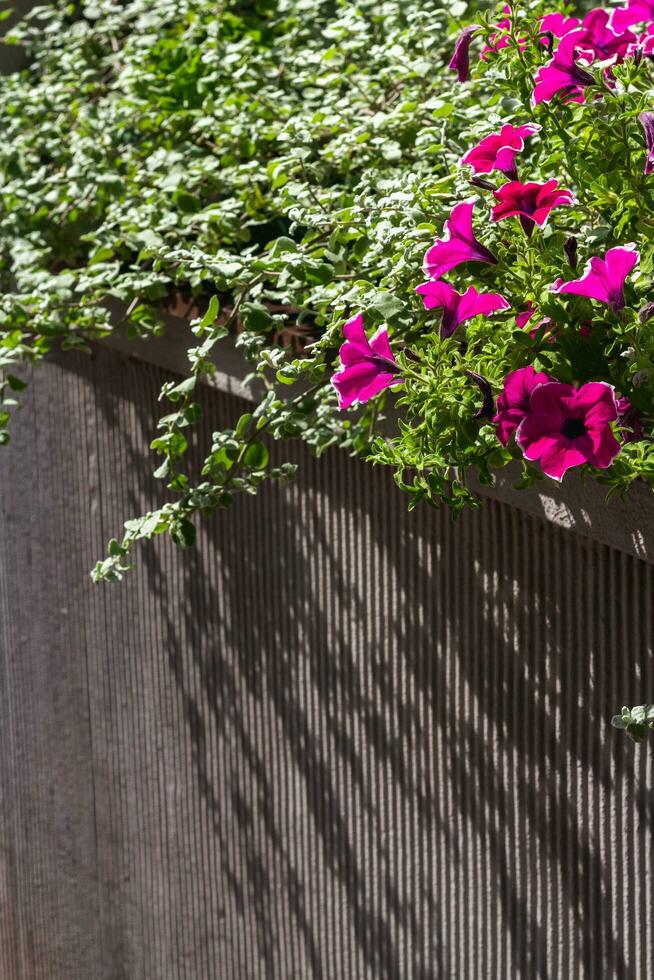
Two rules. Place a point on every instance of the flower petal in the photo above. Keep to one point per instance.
(360, 382)
(513, 401)
(596, 401)
(562, 454)
(552, 400)
(620, 261)
(459, 223)
(590, 284)
(436, 293)
(354, 332)
(474, 303)
(379, 343)
(605, 447)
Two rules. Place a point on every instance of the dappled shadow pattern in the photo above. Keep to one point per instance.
(396, 725)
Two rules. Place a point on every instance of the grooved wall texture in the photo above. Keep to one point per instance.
(334, 742)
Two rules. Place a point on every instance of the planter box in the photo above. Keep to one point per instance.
(336, 740)
(578, 504)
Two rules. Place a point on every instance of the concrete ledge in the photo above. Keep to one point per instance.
(580, 505)
(170, 353)
(577, 504)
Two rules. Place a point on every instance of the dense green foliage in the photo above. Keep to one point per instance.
(280, 166)
(275, 162)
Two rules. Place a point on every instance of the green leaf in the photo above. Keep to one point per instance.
(243, 425)
(183, 388)
(210, 316)
(256, 456)
(187, 203)
(281, 245)
(148, 526)
(15, 383)
(386, 304)
(183, 533)
(162, 471)
(255, 316)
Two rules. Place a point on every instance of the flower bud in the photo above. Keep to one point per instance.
(646, 120)
(646, 313)
(487, 410)
(570, 249)
(460, 62)
(548, 36)
(480, 182)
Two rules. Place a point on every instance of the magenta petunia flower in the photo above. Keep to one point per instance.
(600, 39)
(368, 365)
(563, 74)
(603, 279)
(458, 307)
(498, 151)
(567, 426)
(457, 245)
(635, 12)
(531, 202)
(647, 122)
(460, 62)
(513, 400)
(558, 24)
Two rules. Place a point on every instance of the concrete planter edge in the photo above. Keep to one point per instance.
(577, 504)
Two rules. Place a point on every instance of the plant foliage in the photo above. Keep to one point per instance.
(278, 166)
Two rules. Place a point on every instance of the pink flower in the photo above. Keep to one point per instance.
(558, 24)
(457, 307)
(600, 39)
(460, 62)
(457, 245)
(603, 279)
(368, 365)
(567, 426)
(532, 202)
(634, 12)
(647, 122)
(513, 400)
(498, 151)
(563, 74)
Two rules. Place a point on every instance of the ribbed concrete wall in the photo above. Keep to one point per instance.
(335, 742)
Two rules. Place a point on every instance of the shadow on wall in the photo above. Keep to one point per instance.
(398, 725)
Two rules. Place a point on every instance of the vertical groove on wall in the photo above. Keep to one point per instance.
(336, 741)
